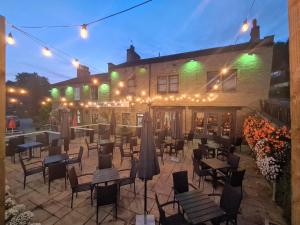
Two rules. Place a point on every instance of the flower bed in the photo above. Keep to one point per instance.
(269, 145)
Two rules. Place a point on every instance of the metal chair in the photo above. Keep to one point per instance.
(31, 169)
(104, 161)
(44, 139)
(90, 146)
(200, 172)
(132, 175)
(79, 187)
(238, 142)
(57, 171)
(77, 158)
(124, 154)
(108, 148)
(175, 219)
(107, 195)
(179, 146)
(233, 160)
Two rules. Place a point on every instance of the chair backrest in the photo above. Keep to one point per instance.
(236, 178)
(55, 150)
(238, 141)
(80, 153)
(108, 148)
(231, 200)
(162, 214)
(107, 194)
(233, 161)
(190, 135)
(22, 163)
(196, 165)
(180, 181)
(104, 161)
(73, 177)
(57, 171)
(133, 170)
(43, 138)
(54, 142)
(198, 154)
(133, 141)
(203, 141)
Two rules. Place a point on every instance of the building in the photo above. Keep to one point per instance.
(211, 90)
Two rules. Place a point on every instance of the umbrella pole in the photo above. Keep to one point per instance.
(145, 197)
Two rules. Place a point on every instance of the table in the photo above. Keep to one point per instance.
(105, 175)
(215, 163)
(52, 159)
(198, 207)
(29, 146)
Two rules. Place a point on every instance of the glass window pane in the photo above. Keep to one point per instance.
(212, 124)
(213, 81)
(229, 81)
(199, 122)
(226, 124)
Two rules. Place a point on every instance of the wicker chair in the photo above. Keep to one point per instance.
(91, 146)
(57, 171)
(104, 161)
(77, 158)
(132, 175)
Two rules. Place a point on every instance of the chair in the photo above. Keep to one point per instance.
(54, 150)
(201, 172)
(57, 171)
(179, 146)
(238, 142)
(181, 183)
(124, 154)
(54, 142)
(233, 161)
(175, 219)
(91, 146)
(79, 187)
(200, 154)
(132, 175)
(190, 137)
(108, 148)
(44, 139)
(104, 161)
(12, 147)
(230, 202)
(235, 178)
(107, 195)
(203, 140)
(133, 144)
(77, 158)
(210, 151)
(32, 168)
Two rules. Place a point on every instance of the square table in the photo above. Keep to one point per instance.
(105, 175)
(52, 159)
(198, 207)
(215, 163)
(29, 146)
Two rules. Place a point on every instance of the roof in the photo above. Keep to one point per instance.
(267, 41)
(104, 77)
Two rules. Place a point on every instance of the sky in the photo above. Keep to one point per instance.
(160, 27)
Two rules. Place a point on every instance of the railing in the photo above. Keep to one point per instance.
(277, 110)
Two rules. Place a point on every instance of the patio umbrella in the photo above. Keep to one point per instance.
(178, 126)
(65, 127)
(148, 163)
(113, 123)
(12, 124)
(74, 122)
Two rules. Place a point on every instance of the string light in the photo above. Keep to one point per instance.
(224, 70)
(95, 81)
(10, 39)
(46, 52)
(43, 103)
(63, 99)
(75, 63)
(48, 99)
(216, 87)
(143, 93)
(83, 31)
(245, 26)
(117, 92)
(121, 84)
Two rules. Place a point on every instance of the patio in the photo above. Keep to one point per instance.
(54, 208)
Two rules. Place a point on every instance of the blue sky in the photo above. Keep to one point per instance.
(162, 26)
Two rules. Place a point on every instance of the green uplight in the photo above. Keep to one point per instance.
(248, 61)
(55, 93)
(114, 75)
(103, 92)
(191, 68)
(86, 90)
(69, 93)
(142, 71)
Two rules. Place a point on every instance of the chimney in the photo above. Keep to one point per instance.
(83, 72)
(255, 32)
(132, 55)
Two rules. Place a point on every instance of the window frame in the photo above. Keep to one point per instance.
(169, 83)
(166, 84)
(222, 78)
(94, 89)
(129, 88)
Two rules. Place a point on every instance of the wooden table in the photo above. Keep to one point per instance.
(29, 146)
(105, 175)
(52, 159)
(215, 163)
(198, 207)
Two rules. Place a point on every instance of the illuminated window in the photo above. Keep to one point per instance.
(94, 93)
(168, 84)
(173, 84)
(221, 82)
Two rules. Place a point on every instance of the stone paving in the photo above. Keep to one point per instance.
(54, 208)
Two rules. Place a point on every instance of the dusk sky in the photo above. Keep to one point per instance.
(161, 26)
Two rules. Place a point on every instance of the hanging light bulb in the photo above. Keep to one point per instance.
(46, 52)
(10, 39)
(245, 26)
(83, 31)
(75, 63)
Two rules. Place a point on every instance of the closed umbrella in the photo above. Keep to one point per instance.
(12, 124)
(65, 127)
(148, 163)
(178, 126)
(113, 123)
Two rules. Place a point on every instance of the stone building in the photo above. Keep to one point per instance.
(211, 90)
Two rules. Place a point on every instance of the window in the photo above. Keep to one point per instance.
(162, 84)
(168, 84)
(77, 94)
(221, 82)
(131, 86)
(173, 83)
(94, 93)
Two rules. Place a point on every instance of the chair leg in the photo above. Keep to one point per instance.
(44, 176)
(91, 196)
(72, 200)
(134, 189)
(24, 181)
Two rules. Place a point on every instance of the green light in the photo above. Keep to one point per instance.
(114, 75)
(142, 71)
(86, 90)
(248, 61)
(69, 93)
(55, 93)
(103, 92)
(191, 68)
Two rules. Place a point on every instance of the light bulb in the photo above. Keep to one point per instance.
(143, 93)
(10, 39)
(83, 31)
(245, 26)
(46, 52)
(224, 70)
(121, 84)
(75, 63)
(117, 92)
